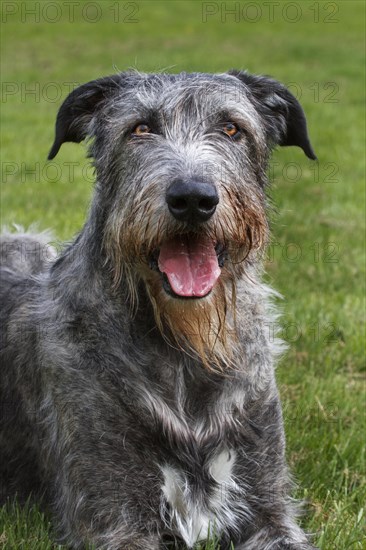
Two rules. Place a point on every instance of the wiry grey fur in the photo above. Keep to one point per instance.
(142, 418)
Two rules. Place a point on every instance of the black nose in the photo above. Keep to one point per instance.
(192, 201)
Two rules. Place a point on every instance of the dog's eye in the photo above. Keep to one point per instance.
(231, 130)
(141, 129)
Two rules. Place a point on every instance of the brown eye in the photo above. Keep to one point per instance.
(141, 129)
(231, 130)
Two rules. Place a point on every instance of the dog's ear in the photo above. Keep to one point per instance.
(78, 109)
(282, 114)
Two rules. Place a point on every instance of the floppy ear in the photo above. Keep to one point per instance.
(282, 114)
(78, 109)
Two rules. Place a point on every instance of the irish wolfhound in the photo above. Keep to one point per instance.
(137, 375)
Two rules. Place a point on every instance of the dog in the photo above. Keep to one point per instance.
(137, 375)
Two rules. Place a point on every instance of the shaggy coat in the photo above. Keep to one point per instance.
(146, 416)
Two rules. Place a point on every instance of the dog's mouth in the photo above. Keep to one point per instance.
(190, 265)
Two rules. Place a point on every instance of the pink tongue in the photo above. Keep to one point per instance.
(190, 263)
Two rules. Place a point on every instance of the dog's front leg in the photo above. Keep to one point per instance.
(105, 481)
(104, 516)
(94, 516)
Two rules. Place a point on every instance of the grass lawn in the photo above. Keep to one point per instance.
(317, 256)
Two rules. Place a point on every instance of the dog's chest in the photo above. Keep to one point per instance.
(201, 474)
(194, 505)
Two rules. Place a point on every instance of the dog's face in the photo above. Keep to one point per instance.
(180, 162)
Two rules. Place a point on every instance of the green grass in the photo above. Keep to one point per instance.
(317, 257)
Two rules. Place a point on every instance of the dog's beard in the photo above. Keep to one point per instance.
(203, 328)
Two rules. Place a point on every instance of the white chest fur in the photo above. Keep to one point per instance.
(194, 515)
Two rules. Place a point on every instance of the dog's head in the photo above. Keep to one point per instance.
(181, 162)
